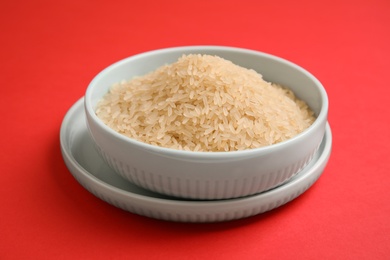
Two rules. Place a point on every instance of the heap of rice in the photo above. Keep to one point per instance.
(204, 103)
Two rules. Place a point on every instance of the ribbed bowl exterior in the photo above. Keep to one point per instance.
(192, 187)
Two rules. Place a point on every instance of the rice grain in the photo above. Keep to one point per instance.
(204, 103)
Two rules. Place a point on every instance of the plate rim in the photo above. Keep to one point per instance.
(77, 170)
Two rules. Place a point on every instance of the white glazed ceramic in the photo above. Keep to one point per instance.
(96, 176)
(206, 175)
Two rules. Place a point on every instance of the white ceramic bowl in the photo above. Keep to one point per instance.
(208, 175)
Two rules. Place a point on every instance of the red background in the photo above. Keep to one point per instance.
(49, 52)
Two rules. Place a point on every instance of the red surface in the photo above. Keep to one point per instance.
(50, 50)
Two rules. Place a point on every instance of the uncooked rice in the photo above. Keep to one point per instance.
(204, 103)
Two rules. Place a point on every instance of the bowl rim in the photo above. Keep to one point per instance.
(321, 118)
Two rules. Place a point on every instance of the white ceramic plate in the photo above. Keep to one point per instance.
(93, 174)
